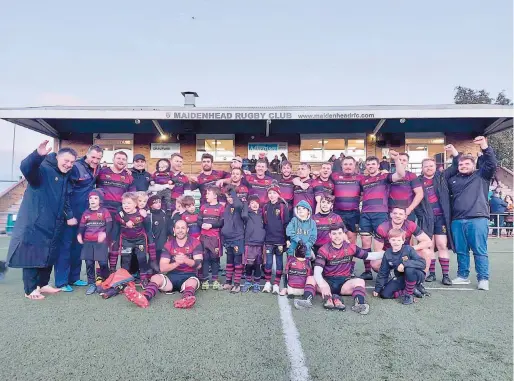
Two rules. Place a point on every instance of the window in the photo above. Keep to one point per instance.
(220, 146)
(112, 143)
(422, 145)
(318, 148)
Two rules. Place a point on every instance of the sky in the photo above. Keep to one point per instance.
(249, 53)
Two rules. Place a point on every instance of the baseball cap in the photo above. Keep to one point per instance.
(139, 157)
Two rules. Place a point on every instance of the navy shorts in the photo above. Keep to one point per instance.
(350, 218)
(412, 217)
(369, 222)
(178, 278)
(335, 283)
(439, 225)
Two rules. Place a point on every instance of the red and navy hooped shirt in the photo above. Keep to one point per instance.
(211, 214)
(322, 187)
(190, 249)
(428, 185)
(323, 223)
(409, 227)
(306, 195)
(204, 181)
(338, 262)
(347, 191)
(286, 188)
(297, 271)
(94, 222)
(192, 223)
(401, 193)
(375, 192)
(114, 185)
(259, 186)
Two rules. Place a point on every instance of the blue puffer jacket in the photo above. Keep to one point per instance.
(302, 230)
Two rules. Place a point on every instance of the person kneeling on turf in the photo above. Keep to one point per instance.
(299, 279)
(408, 269)
(333, 270)
(180, 259)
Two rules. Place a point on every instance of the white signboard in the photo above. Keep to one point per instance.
(270, 149)
(163, 150)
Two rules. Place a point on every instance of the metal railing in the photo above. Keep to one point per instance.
(499, 227)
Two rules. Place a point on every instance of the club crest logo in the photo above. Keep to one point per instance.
(405, 258)
(156, 223)
(141, 247)
(280, 249)
(108, 177)
(87, 217)
(444, 229)
(232, 210)
(277, 212)
(122, 178)
(99, 215)
(236, 249)
(56, 178)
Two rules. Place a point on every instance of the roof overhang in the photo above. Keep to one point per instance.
(55, 121)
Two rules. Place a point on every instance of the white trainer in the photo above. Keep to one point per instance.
(483, 285)
(267, 287)
(460, 280)
(276, 289)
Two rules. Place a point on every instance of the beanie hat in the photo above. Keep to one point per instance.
(97, 192)
(275, 188)
(152, 199)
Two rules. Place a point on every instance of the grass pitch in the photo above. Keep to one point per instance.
(453, 335)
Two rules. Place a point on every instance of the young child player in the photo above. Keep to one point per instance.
(94, 228)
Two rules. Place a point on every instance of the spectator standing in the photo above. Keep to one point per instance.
(498, 206)
(510, 218)
(470, 213)
(275, 164)
(141, 177)
(252, 161)
(384, 164)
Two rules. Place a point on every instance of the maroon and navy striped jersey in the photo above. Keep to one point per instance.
(304, 194)
(211, 214)
(259, 187)
(192, 223)
(204, 181)
(375, 192)
(94, 222)
(191, 248)
(409, 227)
(114, 185)
(182, 184)
(161, 178)
(323, 223)
(347, 191)
(142, 226)
(286, 188)
(322, 187)
(401, 193)
(297, 271)
(338, 262)
(428, 185)
(242, 192)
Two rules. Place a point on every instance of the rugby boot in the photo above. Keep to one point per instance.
(366, 275)
(407, 299)
(446, 280)
(430, 278)
(301, 304)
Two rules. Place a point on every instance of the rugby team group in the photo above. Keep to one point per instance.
(74, 210)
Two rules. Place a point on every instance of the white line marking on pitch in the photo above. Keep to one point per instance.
(439, 288)
(299, 370)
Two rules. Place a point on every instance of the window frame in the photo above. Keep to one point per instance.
(323, 137)
(114, 136)
(215, 137)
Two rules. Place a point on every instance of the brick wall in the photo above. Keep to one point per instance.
(142, 142)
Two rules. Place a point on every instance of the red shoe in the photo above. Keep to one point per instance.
(136, 297)
(186, 302)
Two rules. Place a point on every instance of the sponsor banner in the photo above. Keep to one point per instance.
(270, 149)
(163, 150)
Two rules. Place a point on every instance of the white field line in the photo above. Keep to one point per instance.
(299, 370)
